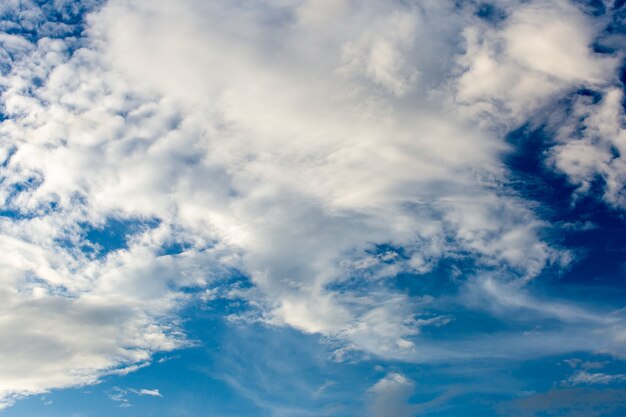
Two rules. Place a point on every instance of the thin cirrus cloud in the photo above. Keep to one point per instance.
(303, 144)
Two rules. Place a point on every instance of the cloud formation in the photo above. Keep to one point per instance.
(120, 395)
(319, 148)
(391, 395)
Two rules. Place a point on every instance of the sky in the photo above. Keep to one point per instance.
(300, 208)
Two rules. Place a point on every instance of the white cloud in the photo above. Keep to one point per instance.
(591, 146)
(285, 167)
(598, 378)
(120, 395)
(540, 52)
(148, 392)
(391, 395)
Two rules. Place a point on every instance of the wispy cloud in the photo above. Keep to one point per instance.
(121, 395)
(597, 378)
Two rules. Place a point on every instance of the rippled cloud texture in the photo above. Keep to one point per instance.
(316, 162)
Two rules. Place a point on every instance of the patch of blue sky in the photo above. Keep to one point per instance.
(13, 211)
(174, 248)
(114, 233)
(491, 12)
(593, 7)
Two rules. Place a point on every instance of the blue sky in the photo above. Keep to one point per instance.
(313, 208)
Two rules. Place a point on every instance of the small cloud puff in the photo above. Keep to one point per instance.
(120, 395)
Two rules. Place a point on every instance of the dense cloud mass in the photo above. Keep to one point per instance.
(319, 149)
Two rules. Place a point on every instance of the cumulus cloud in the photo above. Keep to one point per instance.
(289, 141)
(391, 395)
